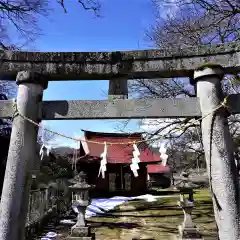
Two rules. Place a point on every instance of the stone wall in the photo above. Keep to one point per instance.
(44, 204)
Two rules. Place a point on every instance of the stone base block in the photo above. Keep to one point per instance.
(80, 231)
(90, 237)
(79, 238)
(189, 233)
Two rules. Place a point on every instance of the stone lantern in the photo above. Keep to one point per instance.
(80, 199)
(187, 189)
(188, 229)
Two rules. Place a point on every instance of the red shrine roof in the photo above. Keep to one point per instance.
(157, 168)
(117, 153)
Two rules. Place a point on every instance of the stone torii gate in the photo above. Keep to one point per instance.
(33, 70)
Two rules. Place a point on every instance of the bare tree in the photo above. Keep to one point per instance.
(191, 22)
(19, 18)
(188, 23)
(45, 137)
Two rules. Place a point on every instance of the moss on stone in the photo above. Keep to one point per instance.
(110, 97)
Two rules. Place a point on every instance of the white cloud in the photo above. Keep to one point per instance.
(166, 9)
(60, 141)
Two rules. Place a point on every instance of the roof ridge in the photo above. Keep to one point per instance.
(115, 134)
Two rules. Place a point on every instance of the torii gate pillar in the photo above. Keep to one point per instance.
(218, 148)
(22, 151)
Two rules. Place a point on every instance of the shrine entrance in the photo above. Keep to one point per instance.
(122, 181)
(33, 70)
(120, 178)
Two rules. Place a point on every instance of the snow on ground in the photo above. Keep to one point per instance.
(99, 206)
(103, 205)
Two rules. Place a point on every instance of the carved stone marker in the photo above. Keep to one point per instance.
(187, 230)
(118, 88)
(80, 198)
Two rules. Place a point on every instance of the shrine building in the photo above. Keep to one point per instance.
(119, 178)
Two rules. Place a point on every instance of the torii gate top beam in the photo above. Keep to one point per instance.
(57, 66)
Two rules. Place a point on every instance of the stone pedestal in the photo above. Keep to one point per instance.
(80, 230)
(187, 230)
(80, 233)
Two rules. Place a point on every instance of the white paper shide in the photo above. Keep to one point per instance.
(103, 163)
(135, 160)
(163, 155)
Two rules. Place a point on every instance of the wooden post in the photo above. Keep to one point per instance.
(122, 183)
(22, 151)
(218, 148)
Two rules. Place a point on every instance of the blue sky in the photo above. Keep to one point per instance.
(121, 27)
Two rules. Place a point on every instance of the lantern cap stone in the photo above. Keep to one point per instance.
(80, 182)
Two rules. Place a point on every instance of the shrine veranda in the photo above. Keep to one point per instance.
(205, 67)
